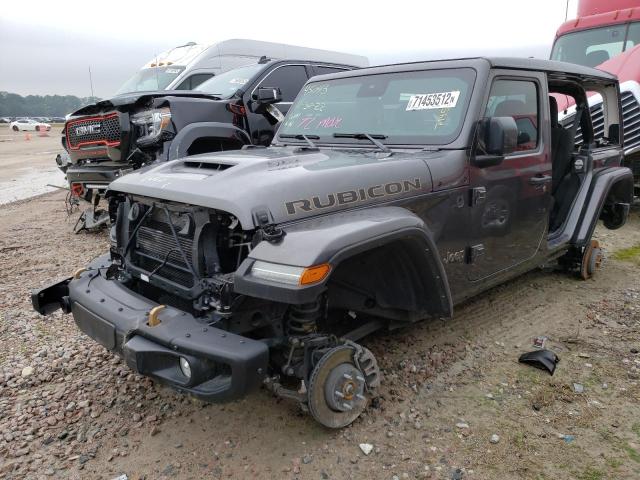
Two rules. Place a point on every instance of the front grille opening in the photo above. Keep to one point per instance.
(211, 243)
(156, 249)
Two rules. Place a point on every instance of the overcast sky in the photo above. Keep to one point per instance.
(48, 46)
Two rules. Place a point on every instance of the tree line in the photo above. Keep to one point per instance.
(14, 105)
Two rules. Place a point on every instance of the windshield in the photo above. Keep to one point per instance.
(597, 45)
(424, 107)
(148, 79)
(228, 83)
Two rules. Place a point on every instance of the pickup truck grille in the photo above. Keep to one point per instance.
(630, 117)
(156, 245)
(97, 130)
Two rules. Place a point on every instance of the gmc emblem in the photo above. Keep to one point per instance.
(88, 129)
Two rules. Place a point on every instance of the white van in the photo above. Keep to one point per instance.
(187, 66)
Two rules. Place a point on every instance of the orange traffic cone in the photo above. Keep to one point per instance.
(27, 136)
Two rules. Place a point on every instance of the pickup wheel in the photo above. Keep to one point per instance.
(336, 394)
(591, 260)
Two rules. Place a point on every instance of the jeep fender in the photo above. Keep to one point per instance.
(336, 238)
(611, 187)
(189, 134)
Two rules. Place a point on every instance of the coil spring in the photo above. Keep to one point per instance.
(302, 319)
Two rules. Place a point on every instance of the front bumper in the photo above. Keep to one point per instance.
(95, 176)
(224, 366)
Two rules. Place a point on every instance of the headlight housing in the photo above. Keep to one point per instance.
(151, 124)
(289, 274)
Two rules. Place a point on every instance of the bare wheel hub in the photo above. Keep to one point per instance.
(591, 260)
(344, 388)
(336, 393)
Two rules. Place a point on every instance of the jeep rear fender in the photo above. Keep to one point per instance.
(611, 188)
(205, 130)
(401, 244)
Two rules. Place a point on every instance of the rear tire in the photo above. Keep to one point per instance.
(591, 260)
(37, 128)
(15, 128)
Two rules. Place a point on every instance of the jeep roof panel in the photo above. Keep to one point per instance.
(481, 63)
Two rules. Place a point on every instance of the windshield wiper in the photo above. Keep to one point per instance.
(300, 136)
(363, 136)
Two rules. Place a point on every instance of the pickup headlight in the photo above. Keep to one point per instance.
(151, 124)
(288, 274)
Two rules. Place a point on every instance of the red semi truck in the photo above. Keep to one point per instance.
(606, 35)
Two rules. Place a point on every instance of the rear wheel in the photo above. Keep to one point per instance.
(591, 260)
(37, 128)
(15, 128)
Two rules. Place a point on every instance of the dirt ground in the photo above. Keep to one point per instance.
(70, 409)
(27, 163)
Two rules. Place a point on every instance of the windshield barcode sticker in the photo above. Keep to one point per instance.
(427, 101)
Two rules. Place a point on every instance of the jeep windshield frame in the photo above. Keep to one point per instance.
(411, 108)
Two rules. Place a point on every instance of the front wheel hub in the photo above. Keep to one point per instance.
(344, 389)
(337, 385)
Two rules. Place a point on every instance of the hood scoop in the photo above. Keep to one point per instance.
(208, 166)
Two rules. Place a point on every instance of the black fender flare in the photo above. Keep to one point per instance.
(609, 186)
(189, 134)
(335, 238)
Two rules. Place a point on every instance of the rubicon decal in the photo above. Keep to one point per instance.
(352, 196)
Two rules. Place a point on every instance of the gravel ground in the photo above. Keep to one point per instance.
(454, 404)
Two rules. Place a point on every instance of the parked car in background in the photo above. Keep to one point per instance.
(5, 120)
(29, 124)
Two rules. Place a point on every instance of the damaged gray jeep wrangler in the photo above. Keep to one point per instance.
(388, 196)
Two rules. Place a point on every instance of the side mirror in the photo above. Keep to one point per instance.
(267, 95)
(497, 137)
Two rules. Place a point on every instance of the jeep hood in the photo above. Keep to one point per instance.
(134, 98)
(286, 183)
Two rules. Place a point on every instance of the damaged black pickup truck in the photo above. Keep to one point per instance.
(239, 107)
(388, 196)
